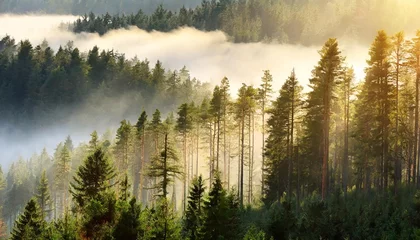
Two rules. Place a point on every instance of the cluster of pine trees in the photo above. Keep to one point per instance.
(286, 21)
(339, 162)
(36, 84)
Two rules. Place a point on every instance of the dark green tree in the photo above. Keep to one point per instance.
(30, 224)
(129, 225)
(94, 177)
(43, 195)
(193, 214)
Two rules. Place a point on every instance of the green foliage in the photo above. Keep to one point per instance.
(296, 22)
(254, 234)
(99, 216)
(43, 195)
(193, 215)
(164, 167)
(30, 224)
(93, 178)
(129, 225)
(66, 228)
(162, 222)
(220, 214)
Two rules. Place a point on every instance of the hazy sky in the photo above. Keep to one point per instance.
(208, 55)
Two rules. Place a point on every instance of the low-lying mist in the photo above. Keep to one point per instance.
(208, 55)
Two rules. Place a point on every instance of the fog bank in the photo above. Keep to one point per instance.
(208, 55)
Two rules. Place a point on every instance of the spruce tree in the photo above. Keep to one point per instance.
(219, 218)
(129, 225)
(92, 178)
(30, 224)
(94, 141)
(193, 214)
(164, 166)
(43, 195)
(162, 222)
(62, 175)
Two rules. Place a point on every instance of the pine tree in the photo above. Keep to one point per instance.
(92, 178)
(141, 134)
(62, 175)
(193, 214)
(398, 61)
(69, 144)
(379, 73)
(414, 63)
(30, 223)
(165, 165)
(225, 102)
(348, 91)
(325, 77)
(264, 93)
(43, 195)
(123, 147)
(280, 141)
(124, 189)
(244, 108)
(94, 141)
(184, 126)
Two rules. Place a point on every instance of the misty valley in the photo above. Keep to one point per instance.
(202, 120)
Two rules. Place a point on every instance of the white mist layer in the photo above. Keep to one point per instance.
(208, 55)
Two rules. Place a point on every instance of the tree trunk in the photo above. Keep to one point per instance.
(326, 141)
(345, 166)
(184, 188)
(242, 161)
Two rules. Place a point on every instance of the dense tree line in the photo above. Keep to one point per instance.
(339, 162)
(286, 21)
(37, 84)
(100, 7)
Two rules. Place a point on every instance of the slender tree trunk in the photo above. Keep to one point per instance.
(141, 166)
(263, 146)
(165, 174)
(326, 140)
(346, 138)
(289, 160)
(249, 158)
(184, 188)
(292, 124)
(228, 168)
(397, 167)
(242, 160)
(416, 139)
(197, 149)
(211, 155)
(218, 143)
(298, 179)
(224, 143)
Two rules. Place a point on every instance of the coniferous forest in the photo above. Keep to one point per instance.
(337, 159)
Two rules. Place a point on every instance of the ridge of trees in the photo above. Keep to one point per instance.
(37, 84)
(285, 21)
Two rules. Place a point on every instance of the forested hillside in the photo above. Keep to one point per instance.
(339, 162)
(77, 7)
(40, 87)
(285, 21)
